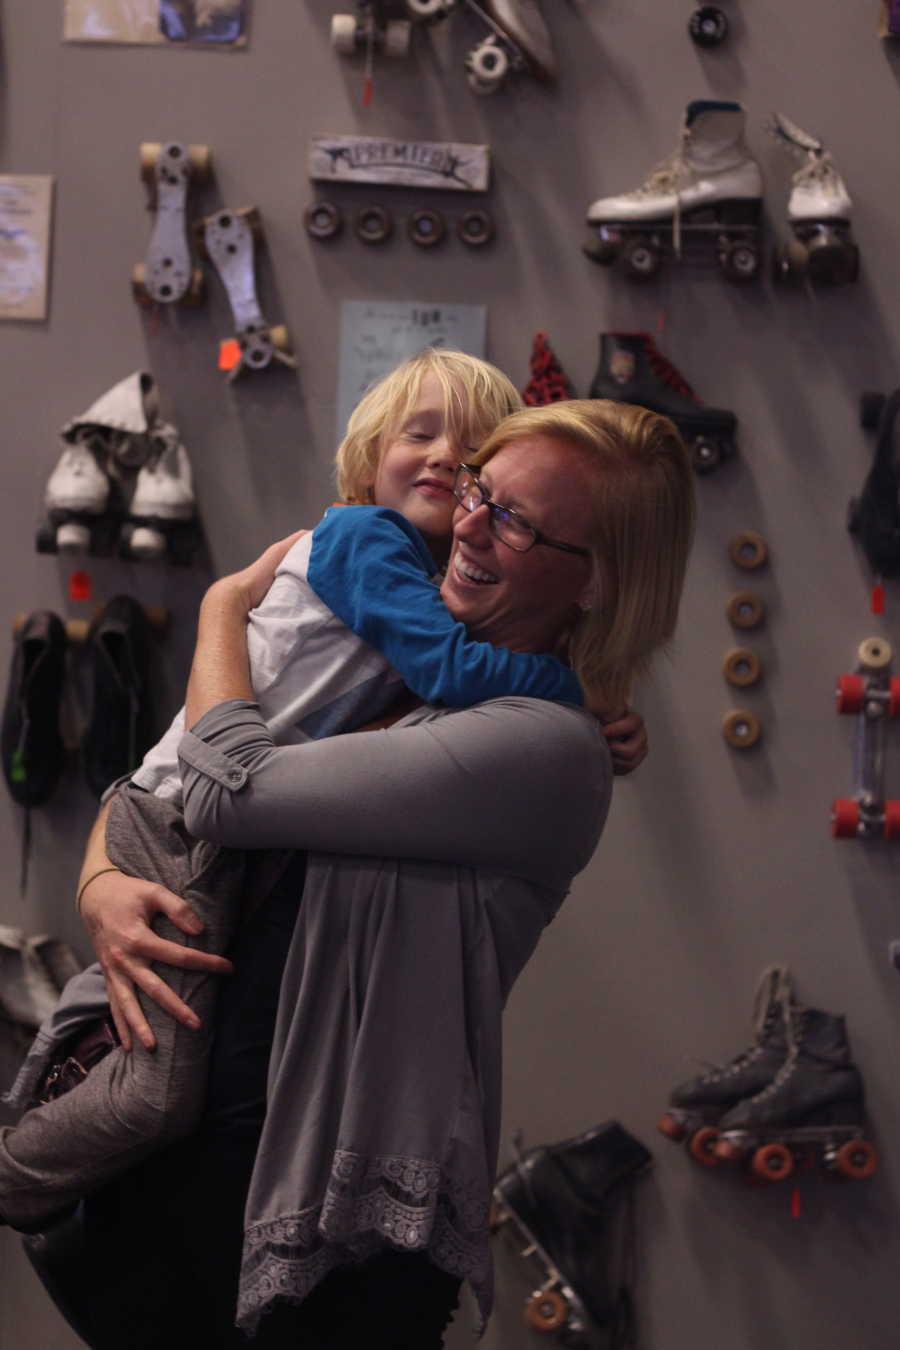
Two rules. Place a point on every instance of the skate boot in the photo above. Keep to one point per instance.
(549, 382)
(76, 499)
(819, 210)
(708, 192)
(875, 515)
(633, 370)
(565, 1201)
(811, 1112)
(697, 1106)
(162, 508)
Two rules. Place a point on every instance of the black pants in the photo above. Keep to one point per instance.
(187, 1206)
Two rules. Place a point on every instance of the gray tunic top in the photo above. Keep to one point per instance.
(439, 849)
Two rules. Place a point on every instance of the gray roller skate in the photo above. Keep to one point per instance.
(517, 39)
(819, 211)
(697, 1107)
(812, 1112)
(633, 370)
(707, 195)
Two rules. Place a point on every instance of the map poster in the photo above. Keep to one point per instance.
(157, 22)
(376, 335)
(25, 206)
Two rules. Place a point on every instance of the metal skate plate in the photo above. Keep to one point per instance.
(228, 239)
(580, 1329)
(168, 261)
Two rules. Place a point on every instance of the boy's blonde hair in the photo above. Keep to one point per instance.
(643, 525)
(476, 397)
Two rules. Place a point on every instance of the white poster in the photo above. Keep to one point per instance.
(25, 204)
(376, 335)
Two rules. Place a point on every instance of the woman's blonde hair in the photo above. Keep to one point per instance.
(643, 491)
(476, 397)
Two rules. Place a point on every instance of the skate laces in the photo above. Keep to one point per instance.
(817, 165)
(773, 1001)
(665, 370)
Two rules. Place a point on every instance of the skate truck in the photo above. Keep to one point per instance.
(632, 369)
(872, 693)
(516, 39)
(874, 516)
(703, 199)
(229, 239)
(819, 211)
(168, 275)
(792, 1101)
(437, 166)
(566, 1206)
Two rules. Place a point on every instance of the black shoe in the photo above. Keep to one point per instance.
(120, 730)
(32, 747)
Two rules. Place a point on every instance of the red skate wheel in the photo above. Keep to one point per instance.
(772, 1162)
(671, 1127)
(844, 818)
(851, 693)
(728, 1150)
(892, 820)
(546, 1310)
(701, 1146)
(894, 697)
(857, 1159)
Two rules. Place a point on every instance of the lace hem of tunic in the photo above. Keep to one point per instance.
(370, 1203)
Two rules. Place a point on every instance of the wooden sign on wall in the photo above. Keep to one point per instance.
(377, 159)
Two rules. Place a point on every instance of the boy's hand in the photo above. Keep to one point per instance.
(627, 738)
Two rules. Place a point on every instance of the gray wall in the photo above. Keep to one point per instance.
(713, 864)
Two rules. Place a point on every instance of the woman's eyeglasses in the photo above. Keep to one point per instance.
(508, 526)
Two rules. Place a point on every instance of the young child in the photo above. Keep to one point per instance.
(313, 677)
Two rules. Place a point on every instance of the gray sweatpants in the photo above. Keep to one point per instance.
(134, 1102)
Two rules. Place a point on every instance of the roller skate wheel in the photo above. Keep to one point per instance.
(426, 227)
(73, 537)
(426, 11)
(844, 818)
(148, 155)
(475, 228)
(139, 285)
(280, 339)
(741, 667)
(728, 1150)
(641, 259)
(196, 291)
(146, 544)
(894, 697)
(746, 609)
(343, 33)
(772, 1162)
(851, 693)
(892, 820)
(791, 261)
(200, 158)
(546, 1310)
(397, 34)
(706, 456)
(701, 1146)
(875, 653)
(748, 550)
(856, 1159)
(487, 66)
(739, 260)
(871, 406)
(323, 220)
(741, 729)
(373, 224)
(602, 246)
(708, 26)
(671, 1127)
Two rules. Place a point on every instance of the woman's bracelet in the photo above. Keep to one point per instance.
(92, 877)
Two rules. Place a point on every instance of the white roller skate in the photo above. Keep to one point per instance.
(708, 192)
(76, 497)
(819, 210)
(517, 39)
(163, 499)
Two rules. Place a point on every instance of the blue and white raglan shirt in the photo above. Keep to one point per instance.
(354, 613)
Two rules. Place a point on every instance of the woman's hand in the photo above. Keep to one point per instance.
(627, 738)
(251, 583)
(118, 911)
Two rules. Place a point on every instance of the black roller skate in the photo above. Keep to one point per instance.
(811, 1114)
(706, 196)
(696, 1107)
(567, 1203)
(633, 370)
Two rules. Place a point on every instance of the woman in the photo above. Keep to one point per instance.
(439, 848)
